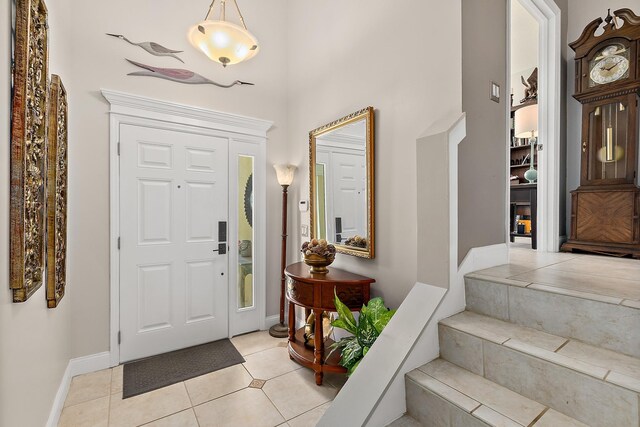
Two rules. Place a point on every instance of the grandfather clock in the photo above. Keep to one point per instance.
(605, 208)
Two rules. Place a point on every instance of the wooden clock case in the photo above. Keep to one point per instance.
(605, 210)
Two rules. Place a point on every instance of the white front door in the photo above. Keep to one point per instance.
(173, 199)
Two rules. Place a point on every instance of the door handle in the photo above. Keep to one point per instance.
(222, 249)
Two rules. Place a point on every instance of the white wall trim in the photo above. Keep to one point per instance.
(374, 395)
(426, 347)
(547, 13)
(133, 109)
(139, 106)
(77, 366)
(241, 323)
(360, 396)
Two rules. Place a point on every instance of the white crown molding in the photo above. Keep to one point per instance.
(149, 108)
(333, 138)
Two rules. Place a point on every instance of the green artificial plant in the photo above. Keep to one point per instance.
(373, 318)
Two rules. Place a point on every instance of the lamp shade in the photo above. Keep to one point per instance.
(285, 173)
(526, 122)
(223, 42)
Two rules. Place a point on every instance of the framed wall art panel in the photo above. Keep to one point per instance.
(28, 149)
(56, 193)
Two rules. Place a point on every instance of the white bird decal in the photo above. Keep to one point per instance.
(151, 47)
(179, 75)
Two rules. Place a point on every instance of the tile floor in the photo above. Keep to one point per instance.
(267, 390)
(271, 390)
(617, 278)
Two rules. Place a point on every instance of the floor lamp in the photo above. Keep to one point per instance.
(285, 175)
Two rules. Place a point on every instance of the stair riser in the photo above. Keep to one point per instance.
(433, 411)
(606, 325)
(585, 398)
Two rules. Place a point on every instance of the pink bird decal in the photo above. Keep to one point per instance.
(179, 75)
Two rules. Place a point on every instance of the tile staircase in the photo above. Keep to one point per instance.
(530, 355)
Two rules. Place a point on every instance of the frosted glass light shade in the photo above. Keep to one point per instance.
(526, 122)
(223, 42)
(285, 173)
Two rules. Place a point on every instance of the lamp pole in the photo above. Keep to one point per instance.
(281, 330)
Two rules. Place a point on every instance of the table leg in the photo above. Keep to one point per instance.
(292, 322)
(318, 341)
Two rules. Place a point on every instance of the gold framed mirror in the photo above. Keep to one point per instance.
(341, 178)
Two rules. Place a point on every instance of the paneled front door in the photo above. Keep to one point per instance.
(173, 205)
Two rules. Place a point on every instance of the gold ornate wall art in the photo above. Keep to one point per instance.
(57, 193)
(28, 149)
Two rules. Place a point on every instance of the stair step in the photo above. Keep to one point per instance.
(612, 322)
(441, 394)
(592, 384)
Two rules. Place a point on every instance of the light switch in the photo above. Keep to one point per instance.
(304, 230)
(495, 92)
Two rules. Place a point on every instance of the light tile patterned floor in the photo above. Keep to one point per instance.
(268, 390)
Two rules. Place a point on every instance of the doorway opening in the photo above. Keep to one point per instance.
(533, 137)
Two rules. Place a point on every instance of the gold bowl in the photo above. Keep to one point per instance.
(318, 263)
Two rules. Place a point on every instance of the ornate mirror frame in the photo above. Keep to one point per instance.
(368, 115)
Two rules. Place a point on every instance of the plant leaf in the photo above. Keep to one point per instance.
(366, 331)
(351, 354)
(378, 313)
(365, 350)
(339, 345)
(348, 321)
(375, 307)
(340, 323)
(382, 321)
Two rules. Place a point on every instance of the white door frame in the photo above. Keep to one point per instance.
(247, 147)
(137, 110)
(548, 16)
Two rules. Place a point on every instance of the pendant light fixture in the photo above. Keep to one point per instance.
(223, 41)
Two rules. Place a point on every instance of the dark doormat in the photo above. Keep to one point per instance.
(159, 371)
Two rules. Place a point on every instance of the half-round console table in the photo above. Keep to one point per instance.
(315, 292)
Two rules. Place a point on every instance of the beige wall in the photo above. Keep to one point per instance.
(482, 172)
(581, 12)
(35, 342)
(99, 64)
(401, 57)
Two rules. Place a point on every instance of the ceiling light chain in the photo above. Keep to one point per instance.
(210, 9)
(240, 14)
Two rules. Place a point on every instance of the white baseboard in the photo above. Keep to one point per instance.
(269, 321)
(61, 396)
(77, 366)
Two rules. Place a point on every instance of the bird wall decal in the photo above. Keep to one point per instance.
(151, 47)
(179, 75)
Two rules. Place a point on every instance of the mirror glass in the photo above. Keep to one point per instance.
(341, 164)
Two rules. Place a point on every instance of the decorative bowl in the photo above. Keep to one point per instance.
(319, 263)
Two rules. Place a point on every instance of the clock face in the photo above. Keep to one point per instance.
(609, 65)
